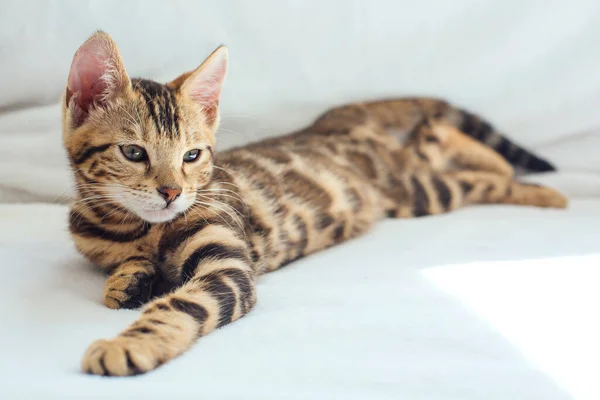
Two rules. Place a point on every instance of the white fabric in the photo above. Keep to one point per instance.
(486, 303)
(531, 67)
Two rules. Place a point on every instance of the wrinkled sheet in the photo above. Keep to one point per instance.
(495, 302)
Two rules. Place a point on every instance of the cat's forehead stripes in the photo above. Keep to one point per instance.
(161, 104)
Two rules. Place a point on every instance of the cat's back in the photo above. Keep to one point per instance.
(303, 191)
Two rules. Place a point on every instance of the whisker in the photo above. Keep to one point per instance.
(233, 213)
(224, 210)
(232, 116)
(225, 194)
(230, 130)
(229, 206)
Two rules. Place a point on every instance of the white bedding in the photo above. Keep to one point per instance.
(530, 67)
(486, 303)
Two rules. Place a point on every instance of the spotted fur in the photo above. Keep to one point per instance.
(255, 208)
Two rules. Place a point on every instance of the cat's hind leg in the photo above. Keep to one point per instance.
(440, 147)
(422, 194)
(464, 152)
(488, 188)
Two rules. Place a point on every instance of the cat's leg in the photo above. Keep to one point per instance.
(219, 288)
(129, 284)
(469, 153)
(422, 194)
(404, 114)
(440, 147)
(489, 188)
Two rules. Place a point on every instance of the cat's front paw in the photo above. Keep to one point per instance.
(119, 357)
(124, 290)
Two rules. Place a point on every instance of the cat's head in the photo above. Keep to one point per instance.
(140, 145)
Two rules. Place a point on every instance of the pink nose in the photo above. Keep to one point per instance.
(169, 193)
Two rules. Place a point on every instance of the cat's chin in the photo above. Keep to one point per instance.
(158, 216)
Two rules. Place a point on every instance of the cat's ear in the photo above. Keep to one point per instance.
(203, 85)
(96, 77)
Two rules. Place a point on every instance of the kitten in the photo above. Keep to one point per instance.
(188, 231)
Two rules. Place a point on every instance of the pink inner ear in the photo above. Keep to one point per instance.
(86, 79)
(206, 88)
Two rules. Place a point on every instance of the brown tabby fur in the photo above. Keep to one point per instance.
(260, 206)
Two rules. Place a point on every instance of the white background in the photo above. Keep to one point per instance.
(530, 66)
(484, 303)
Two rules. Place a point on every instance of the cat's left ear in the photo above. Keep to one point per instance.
(203, 85)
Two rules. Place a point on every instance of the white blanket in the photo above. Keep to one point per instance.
(489, 302)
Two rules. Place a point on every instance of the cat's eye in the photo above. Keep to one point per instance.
(191, 156)
(134, 153)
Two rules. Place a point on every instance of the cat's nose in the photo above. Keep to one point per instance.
(170, 194)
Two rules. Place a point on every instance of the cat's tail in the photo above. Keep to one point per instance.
(405, 113)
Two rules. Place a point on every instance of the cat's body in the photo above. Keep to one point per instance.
(255, 208)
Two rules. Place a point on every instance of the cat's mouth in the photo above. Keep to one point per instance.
(160, 215)
(154, 212)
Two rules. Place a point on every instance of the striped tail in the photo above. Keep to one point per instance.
(481, 130)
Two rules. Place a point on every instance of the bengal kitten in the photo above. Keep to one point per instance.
(188, 231)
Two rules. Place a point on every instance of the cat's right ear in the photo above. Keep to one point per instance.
(96, 77)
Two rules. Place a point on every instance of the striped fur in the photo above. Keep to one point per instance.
(257, 207)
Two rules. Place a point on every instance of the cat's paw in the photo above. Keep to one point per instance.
(119, 357)
(127, 290)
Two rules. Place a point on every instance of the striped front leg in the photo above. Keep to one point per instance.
(219, 288)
